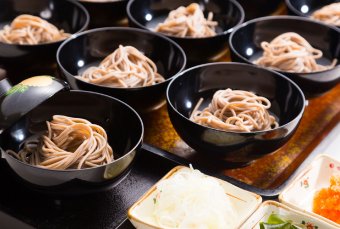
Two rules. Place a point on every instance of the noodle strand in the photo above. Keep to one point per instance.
(188, 22)
(329, 14)
(126, 67)
(235, 110)
(69, 143)
(31, 30)
(290, 52)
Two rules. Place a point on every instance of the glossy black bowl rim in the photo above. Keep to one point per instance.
(297, 12)
(237, 4)
(86, 24)
(269, 18)
(134, 148)
(122, 29)
(245, 65)
(292, 8)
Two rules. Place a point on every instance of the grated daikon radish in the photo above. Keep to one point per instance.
(190, 199)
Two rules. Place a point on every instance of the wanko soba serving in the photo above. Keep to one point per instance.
(126, 67)
(235, 110)
(290, 52)
(188, 22)
(31, 30)
(329, 14)
(70, 143)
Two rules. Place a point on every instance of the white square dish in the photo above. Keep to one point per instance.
(300, 193)
(244, 202)
(271, 207)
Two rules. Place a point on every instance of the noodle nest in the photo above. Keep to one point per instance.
(290, 52)
(235, 110)
(126, 67)
(69, 143)
(31, 30)
(329, 14)
(188, 22)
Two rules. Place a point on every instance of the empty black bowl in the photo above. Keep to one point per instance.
(259, 8)
(122, 124)
(106, 12)
(306, 7)
(245, 45)
(21, 61)
(90, 47)
(183, 93)
(228, 14)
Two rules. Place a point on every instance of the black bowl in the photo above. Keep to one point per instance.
(105, 13)
(245, 47)
(92, 46)
(305, 8)
(228, 14)
(21, 61)
(122, 124)
(183, 93)
(259, 8)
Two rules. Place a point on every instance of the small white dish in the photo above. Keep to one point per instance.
(245, 203)
(300, 193)
(271, 207)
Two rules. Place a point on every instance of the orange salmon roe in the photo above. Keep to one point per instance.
(327, 201)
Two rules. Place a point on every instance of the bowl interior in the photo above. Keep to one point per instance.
(149, 13)
(90, 48)
(122, 124)
(246, 41)
(286, 99)
(307, 7)
(66, 15)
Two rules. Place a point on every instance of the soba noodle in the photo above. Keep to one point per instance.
(31, 30)
(290, 52)
(329, 14)
(188, 22)
(235, 110)
(126, 67)
(69, 143)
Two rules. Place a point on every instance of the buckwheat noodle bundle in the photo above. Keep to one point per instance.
(329, 14)
(69, 143)
(290, 52)
(126, 67)
(235, 110)
(31, 30)
(188, 22)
